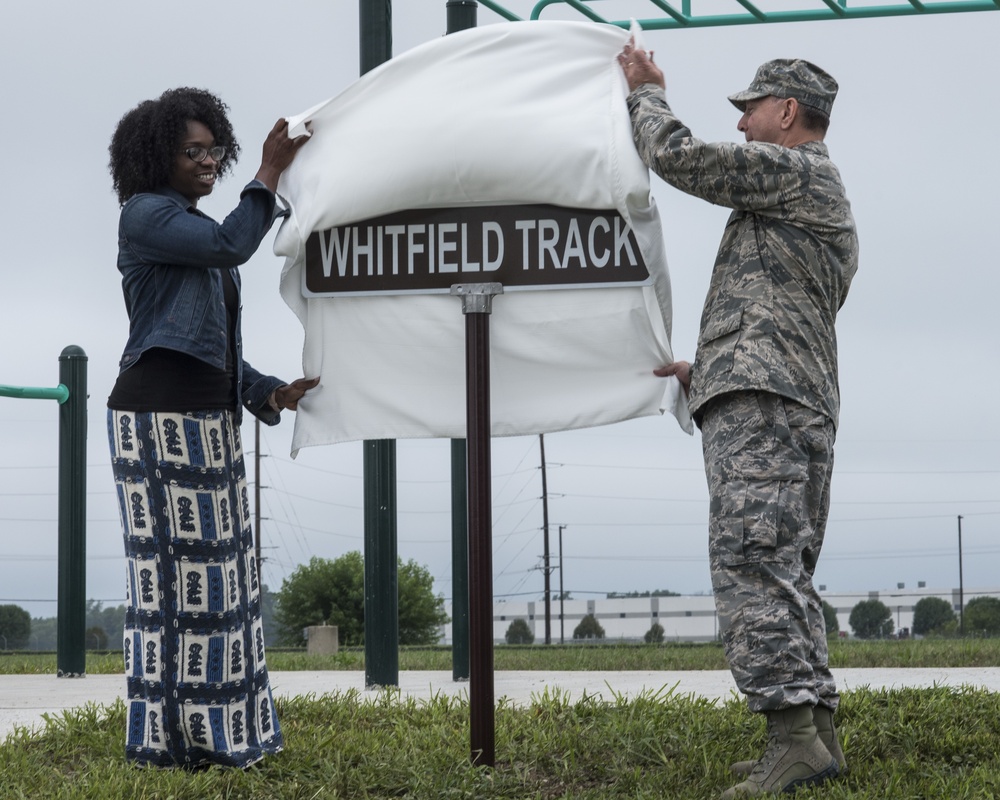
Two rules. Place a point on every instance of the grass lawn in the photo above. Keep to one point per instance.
(591, 657)
(901, 744)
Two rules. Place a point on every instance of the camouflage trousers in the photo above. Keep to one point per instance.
(768, 461)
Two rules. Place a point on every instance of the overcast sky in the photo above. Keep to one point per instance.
(913, 134)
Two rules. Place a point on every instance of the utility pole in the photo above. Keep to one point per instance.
(545, 557)
(961, 587)
(562, 594)
(256, 497)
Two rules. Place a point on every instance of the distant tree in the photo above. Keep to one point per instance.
(871, 619)
(110, 620)
(323, 592)
(519, 632)
(421, 612)
(982, 616)
(647, 593)
(932, 615)
(95, 638)
(830, 618)
(332, 591)
(589, 628)
(267, 603)
(43, 633)
(654, 635)
(15, 626)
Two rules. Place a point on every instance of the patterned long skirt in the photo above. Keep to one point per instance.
(198, 690)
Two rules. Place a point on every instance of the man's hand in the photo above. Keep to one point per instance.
(680, 369)
(289, 396)
(639, 68)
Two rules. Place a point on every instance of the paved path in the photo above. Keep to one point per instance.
(25, 698)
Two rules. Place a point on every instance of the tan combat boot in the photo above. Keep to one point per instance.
(794, 757)
(823, 720)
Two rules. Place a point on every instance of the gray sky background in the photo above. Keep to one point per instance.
(912, 133)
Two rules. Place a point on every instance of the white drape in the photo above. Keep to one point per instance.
(507, 114)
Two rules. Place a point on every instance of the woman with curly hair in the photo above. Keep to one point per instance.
(198, 690)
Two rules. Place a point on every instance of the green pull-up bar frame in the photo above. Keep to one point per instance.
(59, 393)
(672, 16)
(71, 394)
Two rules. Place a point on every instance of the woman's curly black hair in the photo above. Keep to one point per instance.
(145, 143)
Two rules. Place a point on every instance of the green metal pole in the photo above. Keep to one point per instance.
(376, 33)
(381, 555)
(461, 15)
(381, 570)
(72, 600)
(459, 562)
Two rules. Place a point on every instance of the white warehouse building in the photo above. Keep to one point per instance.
(686, 618)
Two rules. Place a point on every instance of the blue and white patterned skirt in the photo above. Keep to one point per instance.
(198, 691)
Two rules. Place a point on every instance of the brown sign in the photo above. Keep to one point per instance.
(429, 250)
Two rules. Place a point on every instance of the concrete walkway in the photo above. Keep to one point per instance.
(24, 699)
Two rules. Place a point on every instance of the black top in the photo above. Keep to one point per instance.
(169, 380)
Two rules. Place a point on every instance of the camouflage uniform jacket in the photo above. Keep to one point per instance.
(784, 265)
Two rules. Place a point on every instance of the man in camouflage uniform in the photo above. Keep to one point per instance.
(763, 389)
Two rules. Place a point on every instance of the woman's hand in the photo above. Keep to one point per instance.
(289, 396)
(279, 152)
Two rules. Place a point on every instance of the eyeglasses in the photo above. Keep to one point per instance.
(198, 154)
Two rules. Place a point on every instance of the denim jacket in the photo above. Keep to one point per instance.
(170, 256)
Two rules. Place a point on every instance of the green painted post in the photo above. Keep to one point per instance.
(72, 600)
(459, 562)
(375, 22)
(381, 557)
(461, 15)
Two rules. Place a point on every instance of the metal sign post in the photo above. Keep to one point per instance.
(473, 251)
(477, 304)
(525, 247)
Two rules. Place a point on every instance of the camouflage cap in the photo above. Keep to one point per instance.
(790, 77)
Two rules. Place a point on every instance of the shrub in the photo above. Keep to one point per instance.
(15, 626)
(655, 634)
(519, 632)
(589, 628)
(871, 619)
(932, 615)
(982, 616)
(830, 618)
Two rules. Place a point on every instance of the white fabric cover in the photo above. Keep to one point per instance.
(513, 113)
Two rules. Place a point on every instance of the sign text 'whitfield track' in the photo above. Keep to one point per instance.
(429, 250)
